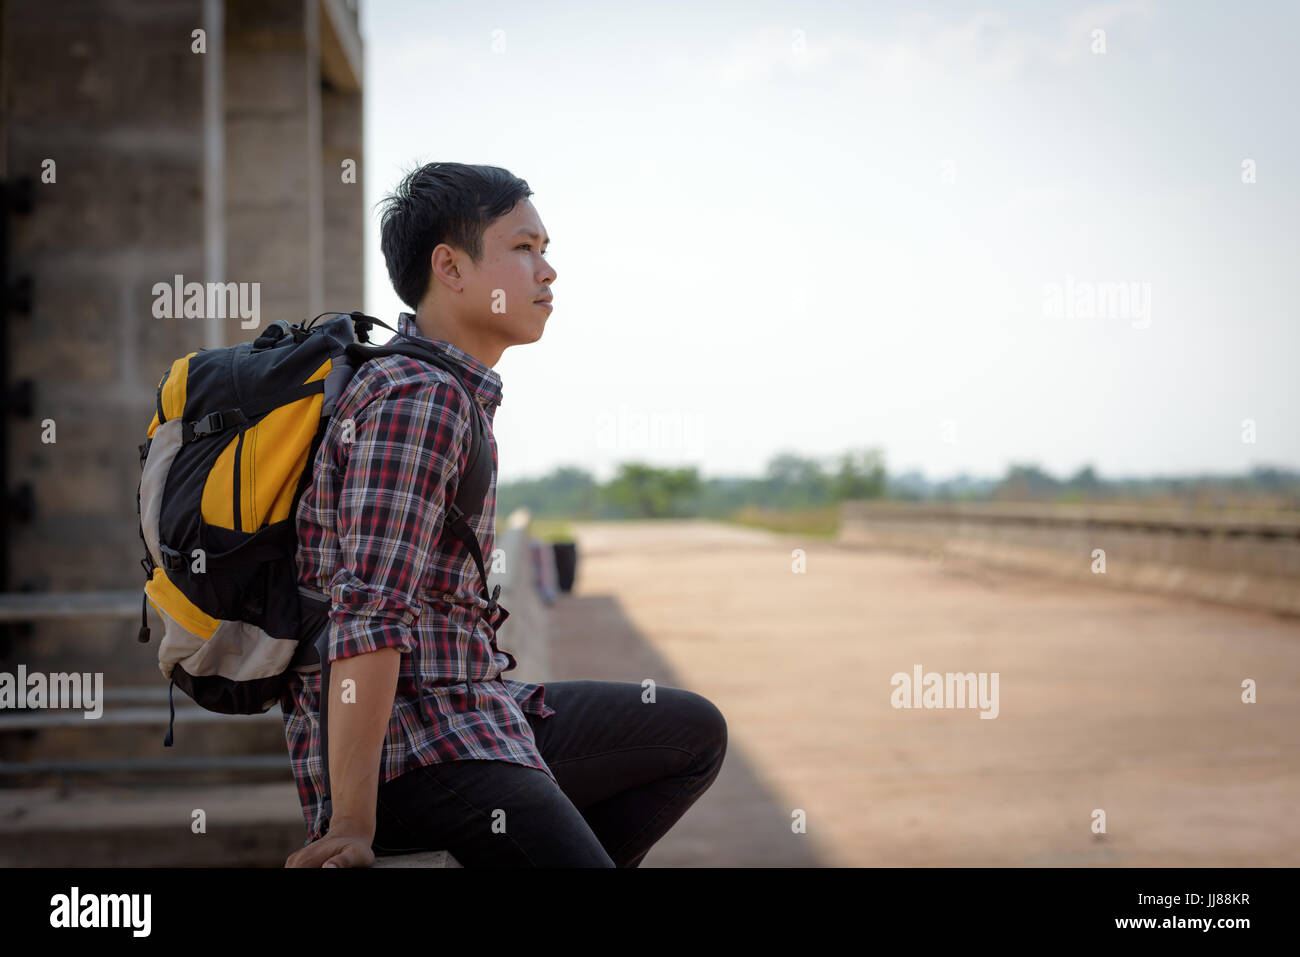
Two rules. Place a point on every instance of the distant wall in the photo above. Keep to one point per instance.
(1244, 560)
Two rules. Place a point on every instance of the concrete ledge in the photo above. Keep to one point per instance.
(419, 859)
(525, 633)
(1249, 563)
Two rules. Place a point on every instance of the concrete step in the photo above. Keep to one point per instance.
(70, 606)
(50, 719)
(252, 825)
(95, 774)
(133, 725)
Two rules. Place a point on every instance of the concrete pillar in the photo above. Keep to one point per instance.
(273, 183)
(344, 203)
(342, 130)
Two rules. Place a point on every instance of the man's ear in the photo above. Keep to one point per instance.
(444, 267)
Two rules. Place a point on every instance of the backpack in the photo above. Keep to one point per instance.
(225, 462)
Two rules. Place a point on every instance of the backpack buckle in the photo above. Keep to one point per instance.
(496, 613)
(361, 325)
(210, 423)
(172, 560)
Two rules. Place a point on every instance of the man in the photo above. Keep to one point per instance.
(429, 745)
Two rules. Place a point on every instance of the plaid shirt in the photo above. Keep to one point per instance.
(368, 532)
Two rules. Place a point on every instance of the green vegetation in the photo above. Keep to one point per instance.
(639, 490)
(650, 492)
(800, 494)
(550, 530)
(823, 522)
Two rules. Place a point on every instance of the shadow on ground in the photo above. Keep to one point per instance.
(739, 821)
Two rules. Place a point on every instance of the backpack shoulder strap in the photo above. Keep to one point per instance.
(472, 489)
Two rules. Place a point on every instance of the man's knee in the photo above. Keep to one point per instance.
(709, 723)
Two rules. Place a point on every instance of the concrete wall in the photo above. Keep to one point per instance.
(168, 161)
(111, 93)
(1245, 560)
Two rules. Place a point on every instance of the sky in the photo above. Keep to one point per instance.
(967, 235)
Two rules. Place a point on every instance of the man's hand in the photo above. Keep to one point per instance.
(342, 847)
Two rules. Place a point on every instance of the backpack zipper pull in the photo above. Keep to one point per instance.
(143, 636)
(171, 723)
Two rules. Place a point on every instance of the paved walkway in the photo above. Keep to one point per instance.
(1125, 702)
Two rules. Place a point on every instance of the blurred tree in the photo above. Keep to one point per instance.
(861, 474)
(1085, 480)
(1026, 483)
(792, 481)
(645, 491)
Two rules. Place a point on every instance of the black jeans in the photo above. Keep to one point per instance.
(627, 770)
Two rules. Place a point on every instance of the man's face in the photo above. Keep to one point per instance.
(502, 292)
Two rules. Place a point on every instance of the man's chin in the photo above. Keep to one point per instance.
(522, 337)
(537, 331)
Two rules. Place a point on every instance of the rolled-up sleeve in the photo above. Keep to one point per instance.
(400, 471)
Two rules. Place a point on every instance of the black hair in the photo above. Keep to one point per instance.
(448, 203)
